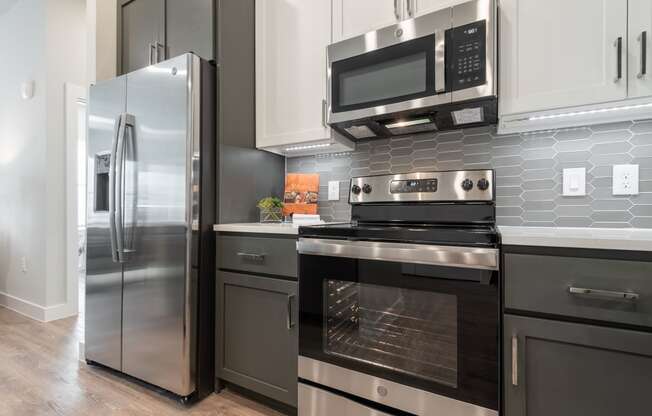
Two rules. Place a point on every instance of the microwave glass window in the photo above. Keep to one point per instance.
(409, 331)
(384, 80)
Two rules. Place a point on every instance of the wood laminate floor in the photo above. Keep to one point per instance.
(41, 375)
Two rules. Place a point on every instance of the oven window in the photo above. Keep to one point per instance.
(387, 79)
(409, 331)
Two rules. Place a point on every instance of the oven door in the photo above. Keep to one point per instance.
(408, 326)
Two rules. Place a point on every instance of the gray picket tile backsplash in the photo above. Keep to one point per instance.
(528, 171)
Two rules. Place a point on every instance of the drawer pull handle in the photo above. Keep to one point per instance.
(251, 256)
(515, 361)
(608, 294)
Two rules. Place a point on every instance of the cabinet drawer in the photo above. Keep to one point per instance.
(599, 289)
(269, 255)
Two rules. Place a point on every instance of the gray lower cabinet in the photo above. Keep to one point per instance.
(258, 334)
(568, 369)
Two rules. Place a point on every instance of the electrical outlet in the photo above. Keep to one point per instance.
(333, 190)
(574, 182)
(23, 264)
(625, 180)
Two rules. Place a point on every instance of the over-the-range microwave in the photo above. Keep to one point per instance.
(433, 72)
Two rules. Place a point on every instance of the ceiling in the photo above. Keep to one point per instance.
(5, 5)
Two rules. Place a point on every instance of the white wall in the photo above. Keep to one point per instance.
(66, 62)
(44, 40)
(22, 154)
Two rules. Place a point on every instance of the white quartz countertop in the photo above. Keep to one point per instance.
(259, 228)
(637, 239)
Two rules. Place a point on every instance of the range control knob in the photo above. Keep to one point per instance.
(355, 189)
(366, 188)
(467, 184)
(483, 184)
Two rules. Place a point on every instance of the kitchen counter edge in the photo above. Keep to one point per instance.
(625, 239)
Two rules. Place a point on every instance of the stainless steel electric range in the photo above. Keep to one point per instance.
(400, 308)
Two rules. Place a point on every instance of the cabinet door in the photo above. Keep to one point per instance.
(421, 7)
(259, 335)
(189, 27)
(355, 17)
(291, 40)
(640, 51)
(568, 369)
(141, 23)
(560, 53)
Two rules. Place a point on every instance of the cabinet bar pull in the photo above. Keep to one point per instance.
(410, 9)
(608, 294)
(251, 256)
(619, 61)
(150, 58)
(514, 360)
(160, 46)
(643, 40)
(396, 14)
(290, 322)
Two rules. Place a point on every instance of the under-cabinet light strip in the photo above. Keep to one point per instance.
(588, 112)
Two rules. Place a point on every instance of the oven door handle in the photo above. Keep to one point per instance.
(435, 255)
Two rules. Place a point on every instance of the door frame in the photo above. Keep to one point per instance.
(75, 95)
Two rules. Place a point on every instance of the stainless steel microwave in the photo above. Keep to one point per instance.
(434, 72)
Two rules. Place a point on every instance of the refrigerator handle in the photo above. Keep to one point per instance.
(127, 120)
(112, 188)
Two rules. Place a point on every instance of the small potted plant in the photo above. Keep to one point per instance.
(271, 209)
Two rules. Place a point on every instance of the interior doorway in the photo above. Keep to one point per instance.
(76, 165)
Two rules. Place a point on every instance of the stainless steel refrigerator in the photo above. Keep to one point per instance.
(151, 206)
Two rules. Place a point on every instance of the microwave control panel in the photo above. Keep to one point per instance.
(466, 56)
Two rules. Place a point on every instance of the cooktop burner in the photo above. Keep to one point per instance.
(451, 207)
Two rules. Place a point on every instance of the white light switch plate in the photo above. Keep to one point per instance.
(575, 182)
(625, 180)
(333, 190)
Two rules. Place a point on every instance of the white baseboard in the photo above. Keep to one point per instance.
(34, 311)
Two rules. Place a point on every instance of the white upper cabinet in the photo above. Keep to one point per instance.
(291, 40)
(421, 7)
(355, 17)
(562, 53)
(640, 51)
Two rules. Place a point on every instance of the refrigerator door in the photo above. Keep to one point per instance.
(103, 273)
(159, 318)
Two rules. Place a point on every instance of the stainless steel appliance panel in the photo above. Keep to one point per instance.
(158, 326)
(434, 23)
(389, 393)
(103, 276)
(314, 401)
(449, 186)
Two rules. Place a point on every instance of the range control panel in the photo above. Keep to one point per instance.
(461, 185)
(466, 56)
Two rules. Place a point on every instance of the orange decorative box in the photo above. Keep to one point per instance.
(301, 193)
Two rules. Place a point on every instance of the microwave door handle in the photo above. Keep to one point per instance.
(440, 61)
